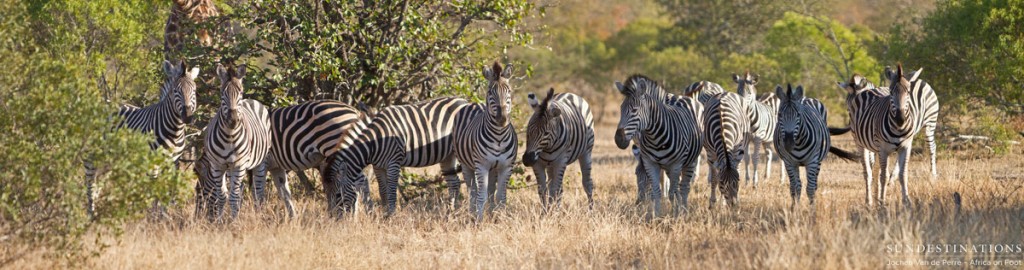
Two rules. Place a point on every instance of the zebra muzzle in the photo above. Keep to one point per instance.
(620, 139)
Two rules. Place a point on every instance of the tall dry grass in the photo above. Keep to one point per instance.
(763, 232)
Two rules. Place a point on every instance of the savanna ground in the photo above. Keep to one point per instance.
(763, 232)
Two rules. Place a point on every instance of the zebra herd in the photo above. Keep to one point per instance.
(668, 132)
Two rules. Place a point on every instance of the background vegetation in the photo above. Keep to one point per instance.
(70, 63)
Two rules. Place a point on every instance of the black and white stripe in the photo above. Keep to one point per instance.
(762, 117)
(667, 130)
(237, 138)
(413, 135)
(486, 143)
(303, 136)
(883, 124)
(927, 104)
(164, 120)
(560, 131)
(802, 139)
(726, 125)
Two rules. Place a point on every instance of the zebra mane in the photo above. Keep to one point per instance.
(638, 84)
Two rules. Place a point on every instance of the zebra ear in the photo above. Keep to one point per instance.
(913, 76)
(695, 88)
(622, 88)
(753, 79)
(170, 69)
(736, 78)
(532, 100)
(222, 73)
(507, 72)
(798, 94)
(192, 74)
(489, 73)
(779, 92)
(240, 71)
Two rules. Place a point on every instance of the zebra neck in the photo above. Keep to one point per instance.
(493, 126)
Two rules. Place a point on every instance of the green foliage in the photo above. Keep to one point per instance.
(63, 59)
(377, 52)
(973, 49)
(804, 45)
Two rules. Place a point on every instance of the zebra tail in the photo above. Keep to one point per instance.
(838, 131)
(850, 156)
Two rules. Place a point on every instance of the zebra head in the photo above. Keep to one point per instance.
(341, 181)
(790, 115)
(542, 127)
(746, 85)
(900, 93)
(642, 94)
(856, 84)
(499, 93)
(230, 92)
(181, 89)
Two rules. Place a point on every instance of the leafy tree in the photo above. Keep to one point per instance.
(64, 59)
(377, 52)
(973, 49)
(718, 28)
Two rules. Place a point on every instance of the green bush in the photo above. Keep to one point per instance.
(56, 114)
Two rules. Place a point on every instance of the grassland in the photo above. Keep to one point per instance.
(763, 232)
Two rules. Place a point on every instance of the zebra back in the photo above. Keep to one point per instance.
(304, 134)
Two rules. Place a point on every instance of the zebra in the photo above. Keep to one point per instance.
(486, 142)
(762, 123)
(928, 113)
(210, 191)
(165, 120)
(802, 139)
(703, 91)
(560, 131)
(883, 124)
(302, 136)
(668, 133)
(412, 135)
(237, 138)
(726, 124)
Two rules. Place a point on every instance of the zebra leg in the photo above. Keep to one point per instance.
(394, 172)
(492, 187)
(768, 162)
(696, 170)
(542, 184)
(686, 180)
(678, 204)
(714, 183)
(449, 167)
(557, 178)
(259, 185)
(756, 156)
(929, 133)
(794, 183)
(281, 181)
(588, 183)
(643, 185)
(235, 177)
(504, 175)
(866, 160)
(883, 175)
(902, 158)
(746, 163)
(812, 180)
(654, 177)
(479, 191)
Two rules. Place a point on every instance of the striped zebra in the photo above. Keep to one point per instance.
(726, 125)
(927, 112)
(237, 138)
(302, 136)
(883, 124)
(413, 135)
(165, 120)
(486, 142)
(802, 139)
(762, 115)
(560, 131)
(667, 130)
(703, 91)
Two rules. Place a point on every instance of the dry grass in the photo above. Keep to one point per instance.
(840, 232)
